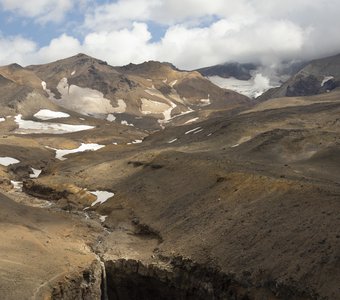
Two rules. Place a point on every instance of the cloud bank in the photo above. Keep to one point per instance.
(197, 33)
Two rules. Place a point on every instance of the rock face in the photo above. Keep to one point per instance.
(85, 286)
(184, 280)
(132, 280)
(318, 76)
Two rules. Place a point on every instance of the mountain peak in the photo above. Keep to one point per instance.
(15, 67)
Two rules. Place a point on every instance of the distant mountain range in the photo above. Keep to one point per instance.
(148, 95)
(154, 95)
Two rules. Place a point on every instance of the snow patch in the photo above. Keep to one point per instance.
(60, 153)
(205, 102)
(167, 113)
(200, 130)
(137, 141)
(46, 114)
(241, 141)
(172, 83)
(102, 218)
(32, 127)
(102, 196)
(121, 108)
(166, 107)
(17, 185)
(193, 130)
(172, 141)
(110, 117)
(325, 79)
(126, 123)
(6, 161)
(192, 120)
(36, 173)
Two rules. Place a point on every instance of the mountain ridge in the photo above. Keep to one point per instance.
(151, 91)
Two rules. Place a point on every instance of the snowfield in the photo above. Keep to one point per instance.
(252, 88)
(60, 153)
(32, 127)
(85, 101)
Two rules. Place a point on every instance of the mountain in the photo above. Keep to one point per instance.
(251, 80)
(318, 76)
(228, 200)
(148, 95)
(21, 76)
(227, 70)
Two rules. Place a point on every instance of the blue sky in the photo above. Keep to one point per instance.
(187, 33)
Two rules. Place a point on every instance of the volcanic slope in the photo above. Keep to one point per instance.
(254, 195)
(148, 95)
(40, 248)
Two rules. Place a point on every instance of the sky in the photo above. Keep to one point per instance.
(188, 33)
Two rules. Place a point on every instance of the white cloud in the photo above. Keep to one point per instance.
(198, 32)
(61, 47)
(166, 12)
(186, 47)
(119, 14)
(15, 49)
(41, 10)
(198, 47)
(122, 46)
